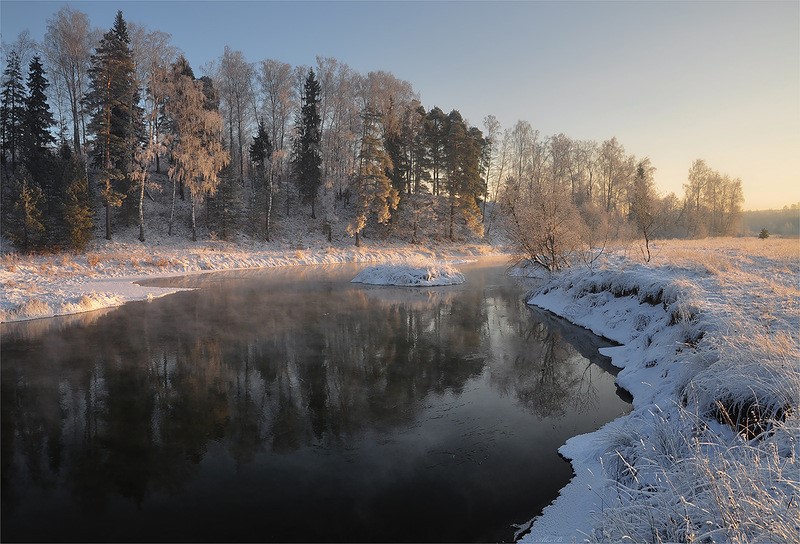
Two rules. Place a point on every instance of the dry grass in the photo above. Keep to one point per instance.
(46, 268)
(93, 259)
(33, 308)
(713, 251)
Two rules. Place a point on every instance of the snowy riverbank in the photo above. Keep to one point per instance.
(61, 284)
(709, 342)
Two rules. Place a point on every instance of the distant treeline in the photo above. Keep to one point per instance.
(784, 222)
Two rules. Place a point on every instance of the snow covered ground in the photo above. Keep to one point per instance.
(60, 284)
(416, 273)
(709, 343)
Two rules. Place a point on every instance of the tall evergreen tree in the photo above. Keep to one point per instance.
(38, 119)
(12, 109)
(463, 157)
(113, 99)
(307, 153)
(37, 139)
(260, 154)
(436, 129)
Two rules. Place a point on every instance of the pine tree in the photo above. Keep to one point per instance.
(35, 149)
(260, 154)
(113, 101)
(436, 129)
(307, 154)
(463, 154)
(38, 119)
(12, 109)
(375, 195)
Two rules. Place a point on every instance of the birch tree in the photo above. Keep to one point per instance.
(235, 84)
(68, 49)
(197, 151)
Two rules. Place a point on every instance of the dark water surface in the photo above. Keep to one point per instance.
(292, 405)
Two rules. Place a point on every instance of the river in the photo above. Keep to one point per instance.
(292, 405)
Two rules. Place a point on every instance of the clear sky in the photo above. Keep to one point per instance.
(674, 81)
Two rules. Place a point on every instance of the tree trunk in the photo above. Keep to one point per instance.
(108, 221)
(141, 210)
(194, 227)
(172, 209)
(76, 129)
(452, 217)
(269, 205)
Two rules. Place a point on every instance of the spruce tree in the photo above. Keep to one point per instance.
(38, 119)
(39, 160)
(464, 183)
(113, 99)
(12, 110)
(260, 153)
(307, 153)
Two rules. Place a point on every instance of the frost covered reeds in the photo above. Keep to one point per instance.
(710, 352)
(685, 481)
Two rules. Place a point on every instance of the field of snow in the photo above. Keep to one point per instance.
(709, 349)
(411, 274)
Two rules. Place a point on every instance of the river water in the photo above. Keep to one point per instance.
(292, 405)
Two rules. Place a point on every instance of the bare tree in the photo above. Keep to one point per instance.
(549, 231)
(234, 78)
(152, 56)
(645, 204)
(492, 126)
(68, 49)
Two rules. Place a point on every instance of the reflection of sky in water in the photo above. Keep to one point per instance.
(268, 406)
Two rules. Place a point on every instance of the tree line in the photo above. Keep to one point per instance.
(262, 142)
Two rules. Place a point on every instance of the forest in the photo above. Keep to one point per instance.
(98, 125)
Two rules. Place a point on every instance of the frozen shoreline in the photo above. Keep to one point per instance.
(680, 323)
(53, 285)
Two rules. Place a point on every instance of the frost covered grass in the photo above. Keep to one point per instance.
(709, 349)
(413, 273)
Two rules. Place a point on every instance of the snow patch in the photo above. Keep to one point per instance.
(411, 275)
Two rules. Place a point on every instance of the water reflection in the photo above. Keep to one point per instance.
(380, 413)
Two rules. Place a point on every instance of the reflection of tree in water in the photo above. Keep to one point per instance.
(548, 373)
(130, 405)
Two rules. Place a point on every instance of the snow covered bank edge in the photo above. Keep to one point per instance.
(680, 355)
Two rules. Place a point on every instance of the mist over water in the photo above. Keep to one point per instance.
(294, 406)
